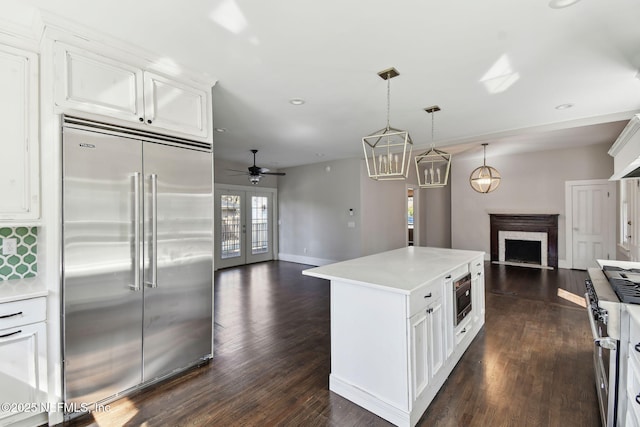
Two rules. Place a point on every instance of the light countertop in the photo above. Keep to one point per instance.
(401, 270)
(19, 289)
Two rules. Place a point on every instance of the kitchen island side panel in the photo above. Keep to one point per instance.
(368, 342)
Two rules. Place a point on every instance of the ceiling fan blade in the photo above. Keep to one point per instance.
(236, 170)
(274, 173)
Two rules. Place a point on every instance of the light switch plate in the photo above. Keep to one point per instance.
(9, 247)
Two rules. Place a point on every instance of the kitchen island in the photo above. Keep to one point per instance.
(396, 333)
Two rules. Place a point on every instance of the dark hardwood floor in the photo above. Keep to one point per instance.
(531, 365)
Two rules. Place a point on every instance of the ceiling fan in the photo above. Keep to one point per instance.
(256, 172)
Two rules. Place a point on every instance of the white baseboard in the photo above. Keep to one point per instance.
(369, 402)
(299, 259)
(562, 263)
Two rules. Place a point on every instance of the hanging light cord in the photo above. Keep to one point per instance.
(388, 99)
(432, 129)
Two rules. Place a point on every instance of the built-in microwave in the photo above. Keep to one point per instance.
(461, 297)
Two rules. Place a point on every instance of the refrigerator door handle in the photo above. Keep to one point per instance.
(153, 256)
(136, 233)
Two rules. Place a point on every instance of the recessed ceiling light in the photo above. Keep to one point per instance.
(561, 4)
(221, 130)
(563, 106)
(296, 101)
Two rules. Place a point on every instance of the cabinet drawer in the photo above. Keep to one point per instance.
(458, 272)
(423, 297)
(477, 266)
(23, 312)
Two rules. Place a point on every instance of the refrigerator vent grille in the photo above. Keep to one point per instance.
(96, 126)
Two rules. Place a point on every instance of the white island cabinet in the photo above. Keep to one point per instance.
(394, 340)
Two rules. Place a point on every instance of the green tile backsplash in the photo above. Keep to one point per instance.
(24, 263)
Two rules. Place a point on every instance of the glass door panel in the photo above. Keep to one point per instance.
(259, 225)
(261, 233)
(230, 214)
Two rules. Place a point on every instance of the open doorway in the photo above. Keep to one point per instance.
(412, 215)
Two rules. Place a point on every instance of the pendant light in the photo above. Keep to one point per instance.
(484, 179)
(432, 167)
(387, 151)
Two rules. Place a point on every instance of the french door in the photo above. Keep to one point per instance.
(245, 227)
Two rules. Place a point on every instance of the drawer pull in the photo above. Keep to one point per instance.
(428, 295)
(10, 333)
(637, 347)
(448, 277)
(638, 399)
(11, 315)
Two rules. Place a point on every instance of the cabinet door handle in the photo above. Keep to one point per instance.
(149, 121)
(11, 315)
(638, 399)
(141, 119)
(637, 347)
(448, 277)
(10, 333)
(428, 295)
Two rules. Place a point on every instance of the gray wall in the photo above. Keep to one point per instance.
(384, 213)
(314, 203)
(531, 183)
(435, 217)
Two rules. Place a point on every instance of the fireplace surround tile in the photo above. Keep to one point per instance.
(535, 223)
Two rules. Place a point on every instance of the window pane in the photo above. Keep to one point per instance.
(230, 231)
(259, 225)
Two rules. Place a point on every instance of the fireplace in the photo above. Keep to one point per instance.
(523, 251)
(525, 239)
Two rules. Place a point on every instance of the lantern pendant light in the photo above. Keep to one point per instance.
(432, 167)
(387, 151)
(485, 179)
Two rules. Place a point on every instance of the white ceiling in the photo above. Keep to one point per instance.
(497, 68)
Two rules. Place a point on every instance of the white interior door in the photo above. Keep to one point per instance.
(591, 219)
(245, 230)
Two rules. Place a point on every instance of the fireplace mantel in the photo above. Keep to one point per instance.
(546, 223)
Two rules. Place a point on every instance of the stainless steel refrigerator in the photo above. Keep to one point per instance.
(137, 258)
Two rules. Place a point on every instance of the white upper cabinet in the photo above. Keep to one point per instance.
(90, 82)
(19, 174)
(175, 106)
(94, 83)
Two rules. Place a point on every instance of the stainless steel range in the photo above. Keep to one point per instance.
(608, 291)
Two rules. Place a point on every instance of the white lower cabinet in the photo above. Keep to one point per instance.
(427, 346)
(23, 361)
